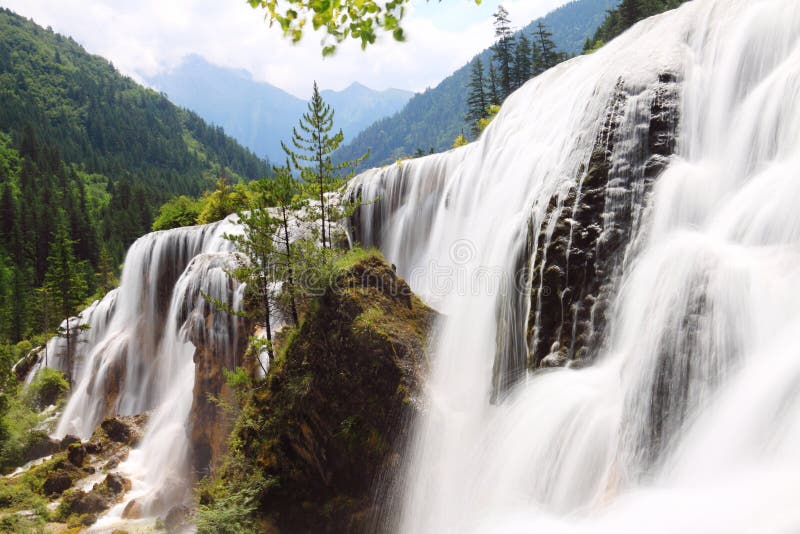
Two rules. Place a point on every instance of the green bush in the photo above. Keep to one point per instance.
(17, 418)
(48, 387)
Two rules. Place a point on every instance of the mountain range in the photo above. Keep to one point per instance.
(430, 121)
(259, 115)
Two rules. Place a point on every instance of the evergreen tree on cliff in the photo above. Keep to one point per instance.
(522, 61)
(493, 88)
(631, 12)
(65, 286)
(548, 56)
(503, 51)
(283, 192)
(478, 99)
(255, 266)
(313, 144)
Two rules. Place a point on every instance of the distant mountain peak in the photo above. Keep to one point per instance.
(259, 115)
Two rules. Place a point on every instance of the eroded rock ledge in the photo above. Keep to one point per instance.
(330, 417)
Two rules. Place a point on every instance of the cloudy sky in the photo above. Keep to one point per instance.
(145, 37)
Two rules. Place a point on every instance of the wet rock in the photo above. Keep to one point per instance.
(68, 440)
(57, 483)
(177, 519)
(554, 359)
(113, 463)
(89, 520)
(40, 445)
(587, 229)
(117, 430)
(333, 411)
(116, 484)
(94, 447)
(133, 510)
(76, 454)
(81, 502)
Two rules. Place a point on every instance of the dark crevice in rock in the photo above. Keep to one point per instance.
(584, 236)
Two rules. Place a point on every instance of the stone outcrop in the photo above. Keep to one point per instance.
(210, 424)
(333, 407)
(583, 240)
(72, 462)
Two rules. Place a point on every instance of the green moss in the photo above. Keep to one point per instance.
(322, 424)
(22, 524)
(356, 255)
(17, 424)
(49, 386)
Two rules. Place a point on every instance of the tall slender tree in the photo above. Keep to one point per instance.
(478, 99)
(255, 266)
(493, 89)
(313, 145)
(503, 51)
(631, 12)
(522, 61)
(283, 192)
(64, 283)
(548, 56)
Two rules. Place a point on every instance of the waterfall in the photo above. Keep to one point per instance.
(139, 353)
(617, 261)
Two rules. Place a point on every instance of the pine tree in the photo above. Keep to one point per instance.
(630, 12)
(493, 89)
(311, 155)
(478, 99)
(255, 265)
(547, 48)
(503, 51)
(106, 280)
(522, 61)
(64, 282)
(283, 192)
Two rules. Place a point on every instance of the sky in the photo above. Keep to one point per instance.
(147, 37)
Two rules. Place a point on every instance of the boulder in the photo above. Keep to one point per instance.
(76, 454)
(68, 440)
(57, 483)
(334, 407)
(133, 510)
(94, 447)
(116, 430)
(116, 484)
(177, 519)
(127, 429)
(81, 502)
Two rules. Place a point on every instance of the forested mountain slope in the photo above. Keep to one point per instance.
(81, 106)
(433, 119)
(86, 157)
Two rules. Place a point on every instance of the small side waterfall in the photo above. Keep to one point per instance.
(139, 353)
(629, 219)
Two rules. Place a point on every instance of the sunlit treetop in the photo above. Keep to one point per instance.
(339, 19)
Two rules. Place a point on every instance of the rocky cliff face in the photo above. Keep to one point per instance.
(587, 232)
(210, 425)
(329, 419)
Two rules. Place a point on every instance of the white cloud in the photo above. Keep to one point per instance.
(144, 37)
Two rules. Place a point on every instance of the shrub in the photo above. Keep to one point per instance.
(48, 387)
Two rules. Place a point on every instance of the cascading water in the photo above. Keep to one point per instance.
(632, 212)
(139, 354)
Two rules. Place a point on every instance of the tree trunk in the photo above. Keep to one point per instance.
(289, 272)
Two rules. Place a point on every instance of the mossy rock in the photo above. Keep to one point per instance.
(331, 416)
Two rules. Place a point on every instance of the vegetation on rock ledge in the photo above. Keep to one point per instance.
(314, 434)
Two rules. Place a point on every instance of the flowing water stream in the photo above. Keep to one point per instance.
(689, 418)
(617, 259)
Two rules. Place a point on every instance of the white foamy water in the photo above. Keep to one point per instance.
(689, 419)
